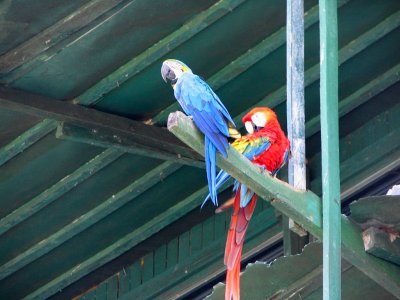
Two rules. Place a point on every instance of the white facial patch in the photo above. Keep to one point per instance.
(249, 127)
(259, 119)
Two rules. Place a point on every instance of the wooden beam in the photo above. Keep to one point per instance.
(302, 207)
(248, 59)
(207, 264)
(25, 140)
(329, 102)
(60, 33)
(347, 52)
(380, 244)
(86, 220)
(122, 245)
(295, 107)
(108, 139)
(157, 51)
(57, 190)
(153, 139)
(359, 97)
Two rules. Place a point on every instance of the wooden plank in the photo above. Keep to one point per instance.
(148, 267)
(303, 207)
(329, 102)
(148, 137)
(57, 190)
(122, 245)
(157, 51)
(378, 211)
(359, 97)
(26, 139)
(248, 59)
(110, 205)
(380, 244)
(135, 274)
(354, 47)
(295, 203)
(184, 246)
(295, 106)
(172, 253)
(64, 29)
(198, 269)
(108, 139)
(196, 239)
(160, 259)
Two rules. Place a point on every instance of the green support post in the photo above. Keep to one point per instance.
(330, 150)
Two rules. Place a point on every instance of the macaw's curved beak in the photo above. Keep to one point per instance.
(167, 73)
(249, 126)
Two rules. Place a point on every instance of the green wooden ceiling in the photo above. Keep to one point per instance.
(87, 192)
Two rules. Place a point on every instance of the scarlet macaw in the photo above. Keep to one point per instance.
(198, 101)
(267, 146)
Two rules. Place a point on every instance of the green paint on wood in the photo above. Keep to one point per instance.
(172, 253)
(124, 142)
(148, 267)
(157, 51)
(248, 59)
(377, 211)
(303, 207)
(61, 30)
(84, 221)
(354, 47)
(26, 139)
(58, 189)
(329, 100)
(192, 271)
(160, 260)
(381, 244)
(125, 243)
(368, 91)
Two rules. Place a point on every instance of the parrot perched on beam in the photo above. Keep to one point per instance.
(267, 146)
(198, 101)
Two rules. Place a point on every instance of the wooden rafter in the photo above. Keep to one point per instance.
(153, 140)
(83, 222)
(34, 51)
(57, 190)
(125, 243)
(302, 207)
(25, 140)
(354, 47)
(248, 59)
(158, 50)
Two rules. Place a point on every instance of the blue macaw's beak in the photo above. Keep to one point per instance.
(167, 73)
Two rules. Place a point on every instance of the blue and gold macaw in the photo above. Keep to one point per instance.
(199, 101)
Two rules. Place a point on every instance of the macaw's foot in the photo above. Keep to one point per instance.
(228, 204)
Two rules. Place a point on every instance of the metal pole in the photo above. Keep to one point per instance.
(330, 149)
(295, 101)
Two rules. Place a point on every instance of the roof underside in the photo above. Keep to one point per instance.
(81, 188)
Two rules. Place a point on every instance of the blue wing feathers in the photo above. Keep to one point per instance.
(210, 116)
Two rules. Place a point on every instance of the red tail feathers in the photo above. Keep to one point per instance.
(234, 244)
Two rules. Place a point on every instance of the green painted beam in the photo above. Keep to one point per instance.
(151, 138)
(380, 244)
(26, 139)
(62, 30)
(302, 207)
(362, 95)
(208, 263)
(378, 211)
(329, 102)
(110, 205)
(122, 245)
(347, 52)
(57, 190)
(248, 59)
(108, 139)
(158, 50)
